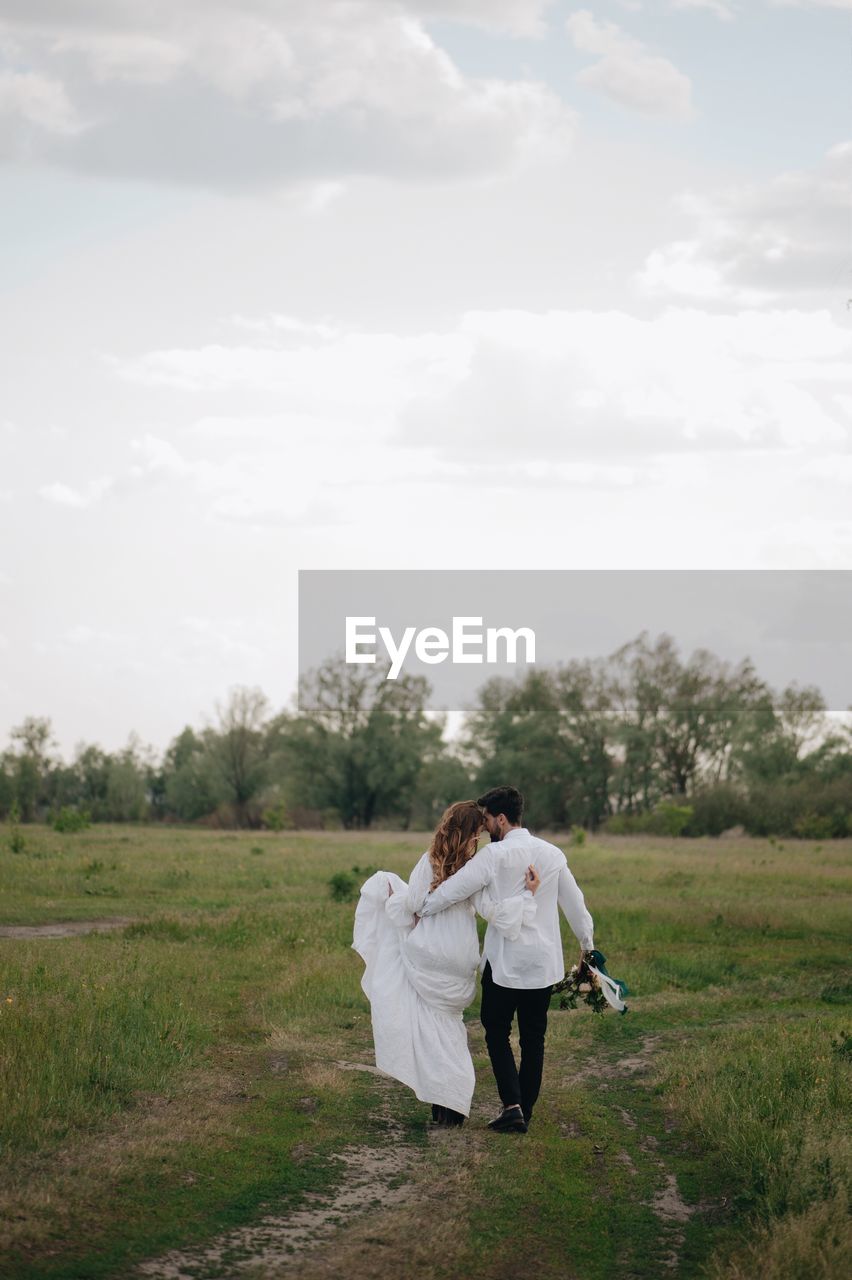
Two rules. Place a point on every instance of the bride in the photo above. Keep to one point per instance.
(421, 973)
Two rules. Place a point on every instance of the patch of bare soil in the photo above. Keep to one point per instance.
(276, 1245)
(64, 928)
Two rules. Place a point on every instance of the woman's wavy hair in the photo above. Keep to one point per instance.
(454, 842)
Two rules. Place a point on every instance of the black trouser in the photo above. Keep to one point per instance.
(499, 1006)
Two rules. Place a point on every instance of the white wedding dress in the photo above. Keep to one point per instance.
(420, 979)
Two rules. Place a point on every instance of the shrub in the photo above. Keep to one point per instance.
(578, 837)
(276, 818)
(812, 808)
(667, 819)
(622, 824)
(342, 886)
(68, 819)
(813, 826)
(17, 843)
(716, 810)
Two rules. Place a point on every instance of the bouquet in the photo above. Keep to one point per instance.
(589, 981)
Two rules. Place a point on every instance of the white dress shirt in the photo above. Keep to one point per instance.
(533, 958)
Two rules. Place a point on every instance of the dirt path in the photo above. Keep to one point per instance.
(383, 1192)
(64, 928)
(668, 1205)
(371, 1176)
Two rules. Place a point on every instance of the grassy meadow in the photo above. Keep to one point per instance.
(191, 1070)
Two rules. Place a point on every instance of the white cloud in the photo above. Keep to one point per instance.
(761, 243)
(683, 269)
(717, 7)
(218, 638)
(34, 106)
(65, 495)
(240, 94)
(580, 385)
(726, 9)
(812, 4)
(81, 634)
(157, 456)
(628, 71)
(539, 386)
(356, 377)
(516, 17)
(117, 56)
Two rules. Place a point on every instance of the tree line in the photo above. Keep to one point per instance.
(641, 740)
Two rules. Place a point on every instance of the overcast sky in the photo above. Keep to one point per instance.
(400, 284)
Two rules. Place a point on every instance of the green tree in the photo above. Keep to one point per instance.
(775, 731)
(443, 779)
(679, 720)
(127, 790)
(548, 734)
(358, 741)
(30, 764)
(238, 750)
(192, 783)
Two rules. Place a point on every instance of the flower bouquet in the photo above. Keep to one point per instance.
(589, 981)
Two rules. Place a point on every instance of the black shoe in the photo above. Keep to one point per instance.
(453, 1119)
(439, 1114)
(510, 1120)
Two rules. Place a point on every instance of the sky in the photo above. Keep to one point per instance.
(400, 284)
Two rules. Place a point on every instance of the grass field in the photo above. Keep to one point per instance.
(197, 1070)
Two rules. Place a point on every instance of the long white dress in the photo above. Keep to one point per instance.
(420, 979)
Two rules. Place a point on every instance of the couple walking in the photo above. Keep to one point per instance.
(421, 950)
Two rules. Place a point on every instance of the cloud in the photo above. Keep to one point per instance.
(223, 638)
(156, 459)
(602, 389)
(726, 10)
(627, 71)
(316, 513)
(245, 94)
(65, 495)
(355, 377)
(717, 7)
(812, 4)
(516, 17)
(758, 244)
(136, 58)
(81, 634)
(34, 108)
(581, 385)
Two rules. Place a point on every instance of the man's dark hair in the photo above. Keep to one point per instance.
(506, 800)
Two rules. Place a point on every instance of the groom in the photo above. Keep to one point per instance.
(518, 975)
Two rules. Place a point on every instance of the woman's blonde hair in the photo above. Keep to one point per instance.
(454, 842)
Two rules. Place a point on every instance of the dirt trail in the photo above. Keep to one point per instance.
(388, 1175)
(667, 1203)
(277, 1244)
(64, 928)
